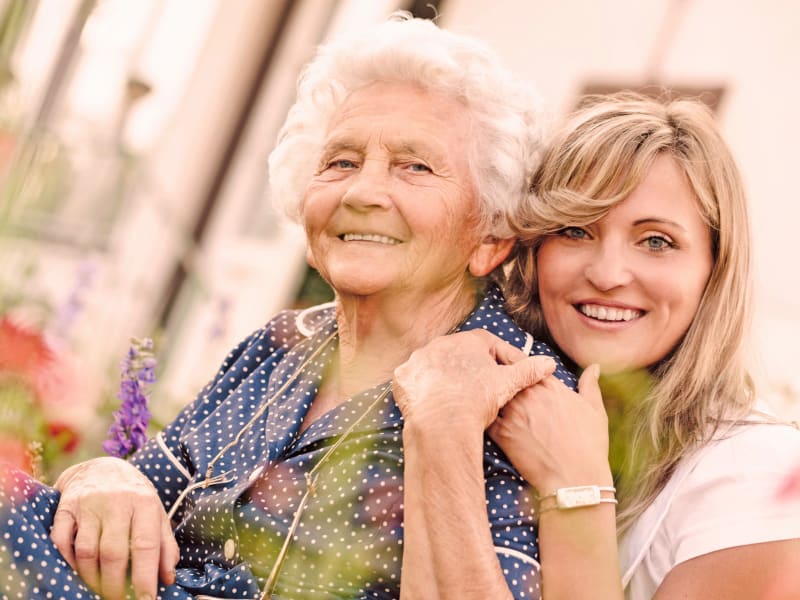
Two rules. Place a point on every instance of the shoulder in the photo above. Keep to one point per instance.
(734, 494)
(764, 446)
(731, 492)
(287, 329)
(491, 315)
(262, 351)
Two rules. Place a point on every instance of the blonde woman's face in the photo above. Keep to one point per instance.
(622, 291)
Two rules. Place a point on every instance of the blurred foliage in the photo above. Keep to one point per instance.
(313, 290)
(35, 180)
(623, 394)
(12, 23)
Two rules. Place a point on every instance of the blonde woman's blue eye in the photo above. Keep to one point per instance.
(573, 233)
(657, 242)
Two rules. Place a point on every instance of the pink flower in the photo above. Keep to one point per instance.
(25, 354)
(791, 485)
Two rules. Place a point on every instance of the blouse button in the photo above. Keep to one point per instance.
(229, 550)
(255, 474)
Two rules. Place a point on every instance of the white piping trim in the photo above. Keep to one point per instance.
(517, 554)
(163, 445)
(299, 320)
(528, 344)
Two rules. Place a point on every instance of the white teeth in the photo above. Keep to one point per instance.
(369, 237)
(608, 313)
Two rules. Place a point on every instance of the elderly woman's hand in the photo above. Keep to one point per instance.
(463, 380)
(555, 437)
(109, 513)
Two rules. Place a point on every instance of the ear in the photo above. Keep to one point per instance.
(488, 254)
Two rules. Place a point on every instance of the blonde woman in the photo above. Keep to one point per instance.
(635, 263)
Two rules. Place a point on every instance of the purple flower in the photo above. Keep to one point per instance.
(128, 432)
(221, 313)
(70, 309)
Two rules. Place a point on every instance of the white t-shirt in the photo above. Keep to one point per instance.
(724, 495)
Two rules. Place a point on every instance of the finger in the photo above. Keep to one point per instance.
(494, 429)
(589, 388)
(503, 352)
(63, 535)
(530, 371)
(114, 545)
(87, 550)
(170, 553)
(146, 544)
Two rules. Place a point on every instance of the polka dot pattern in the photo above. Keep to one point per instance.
(349, 541)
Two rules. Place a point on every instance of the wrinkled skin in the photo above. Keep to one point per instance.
(110, 516)
(464, 379)
(449, 391)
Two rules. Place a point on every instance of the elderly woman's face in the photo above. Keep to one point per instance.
(391, 207)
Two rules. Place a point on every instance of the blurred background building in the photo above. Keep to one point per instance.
(134, 137)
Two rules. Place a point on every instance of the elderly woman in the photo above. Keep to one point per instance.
(403, 155)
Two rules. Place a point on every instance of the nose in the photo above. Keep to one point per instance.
(608, 267)
(370, 187)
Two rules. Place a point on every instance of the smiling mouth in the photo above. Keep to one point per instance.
(609, 313)
(368, 237)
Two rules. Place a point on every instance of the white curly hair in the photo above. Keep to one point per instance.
(506, 113)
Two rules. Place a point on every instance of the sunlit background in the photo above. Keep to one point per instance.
(134, 137)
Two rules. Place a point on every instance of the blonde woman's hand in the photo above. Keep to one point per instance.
(110, 516)
(555, 437)
(462, 380)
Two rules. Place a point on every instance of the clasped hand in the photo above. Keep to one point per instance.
(474, 381)
(462, 381)
(110, 516)
(556, 437)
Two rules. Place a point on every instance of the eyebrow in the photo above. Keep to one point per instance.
(659, 221)
(340, 146)
(409, 148)
(403, 147)
(429, 153)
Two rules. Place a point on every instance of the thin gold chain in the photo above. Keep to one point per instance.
(311, 488)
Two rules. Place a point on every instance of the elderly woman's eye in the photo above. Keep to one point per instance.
(419, 168)
(341, 163)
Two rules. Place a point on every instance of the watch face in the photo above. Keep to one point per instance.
(574, 497)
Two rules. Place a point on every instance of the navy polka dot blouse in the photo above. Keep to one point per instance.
(232, 473)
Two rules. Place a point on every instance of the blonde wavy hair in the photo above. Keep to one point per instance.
(594, 162)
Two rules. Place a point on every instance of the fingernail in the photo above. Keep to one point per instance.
(595, 371)
(547, 362)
